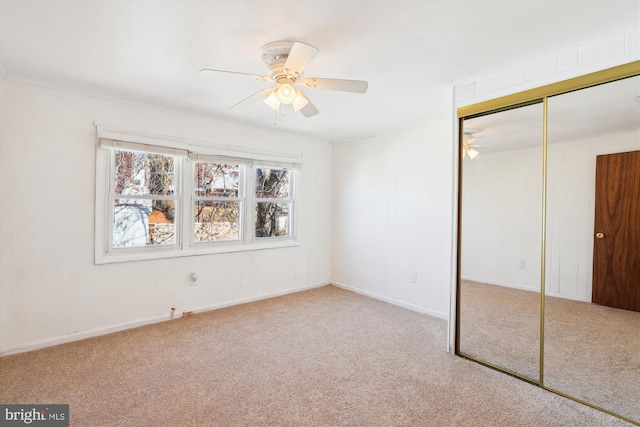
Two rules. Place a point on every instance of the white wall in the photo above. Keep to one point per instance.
(502, 218)
(392, 213)
(594, 54)
(50, 289)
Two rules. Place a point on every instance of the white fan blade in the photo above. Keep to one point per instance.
(300, 56)
(253, 76)
(355, 86)
(309, 110)
(258, 96)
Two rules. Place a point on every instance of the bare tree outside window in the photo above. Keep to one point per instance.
(144, 205)
(217, 206)
(273, 202)
(164, 201)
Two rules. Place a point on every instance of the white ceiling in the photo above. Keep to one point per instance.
(408, 51)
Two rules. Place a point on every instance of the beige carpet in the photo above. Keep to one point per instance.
(591, 352)
(502, 326)
(325, 357)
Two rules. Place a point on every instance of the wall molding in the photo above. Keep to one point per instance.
(596, 54)
(407, 305)
(78, 336)
(524, 288)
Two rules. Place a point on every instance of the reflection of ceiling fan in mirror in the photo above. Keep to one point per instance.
(286, 62)
(468, 138)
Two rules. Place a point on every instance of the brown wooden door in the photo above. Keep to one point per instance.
(616, 247)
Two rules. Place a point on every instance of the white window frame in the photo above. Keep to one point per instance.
(290, 201)
(241, 199)
(186, 153)
(176, 198)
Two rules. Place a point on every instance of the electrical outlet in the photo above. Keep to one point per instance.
(522, 265)
(194, 279)
(413, 277)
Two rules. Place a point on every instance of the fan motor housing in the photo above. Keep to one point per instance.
(275, 55)
(275, 52)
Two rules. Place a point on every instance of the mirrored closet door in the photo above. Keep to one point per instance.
(501, 190)
(548, 283)
(592, 308)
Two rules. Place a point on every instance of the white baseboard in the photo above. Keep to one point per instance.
(567, 296)
(496, 283)
(258, 298)
(393, 301)
(77, 336)
(524, 288)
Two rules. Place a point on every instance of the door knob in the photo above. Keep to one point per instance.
(600, 236)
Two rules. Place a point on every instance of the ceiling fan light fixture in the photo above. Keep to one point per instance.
(272, 101)
(470, 152)
(299, 101)
(286, 93)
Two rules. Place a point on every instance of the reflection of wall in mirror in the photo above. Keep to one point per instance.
(571, 207)
(502, 218)
(501, 215)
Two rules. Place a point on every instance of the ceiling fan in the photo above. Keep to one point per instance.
(286, 62)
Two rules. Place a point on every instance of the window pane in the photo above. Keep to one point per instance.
(138, 173)
(272, 183)
(217, 180)
(272, 219)
(215, 221)
(143, 223)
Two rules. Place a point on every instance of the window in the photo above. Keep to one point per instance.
(143, 197)
(274, 202)
(171, 200)
(217, 202)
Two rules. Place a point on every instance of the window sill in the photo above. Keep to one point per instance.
(212, 249)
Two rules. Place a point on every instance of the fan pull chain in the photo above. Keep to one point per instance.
(277, 110)
(275, 116)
